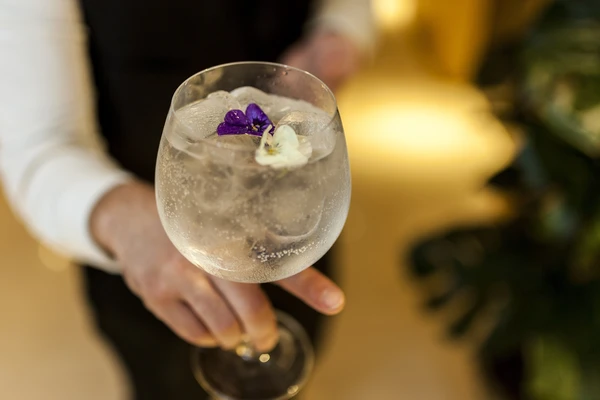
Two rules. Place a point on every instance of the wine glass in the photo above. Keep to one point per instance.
(245, 221)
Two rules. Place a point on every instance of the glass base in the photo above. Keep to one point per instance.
(242, 374)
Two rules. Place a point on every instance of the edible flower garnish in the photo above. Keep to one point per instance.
(283, 149)
(253, 122)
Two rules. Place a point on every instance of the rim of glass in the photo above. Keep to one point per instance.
(234, 147)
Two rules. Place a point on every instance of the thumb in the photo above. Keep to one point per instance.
(316, 290)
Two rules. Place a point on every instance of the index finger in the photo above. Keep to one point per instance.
(316, 290)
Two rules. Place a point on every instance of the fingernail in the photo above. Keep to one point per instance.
(267, 344)
(333, 299)
(229, 343)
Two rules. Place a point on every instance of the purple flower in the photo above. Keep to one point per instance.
(253, 122)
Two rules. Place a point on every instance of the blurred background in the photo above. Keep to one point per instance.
(423, 140)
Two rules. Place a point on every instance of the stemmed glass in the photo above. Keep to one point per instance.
(252, 223)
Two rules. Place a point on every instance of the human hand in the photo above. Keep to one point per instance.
(331, 57)
(202, 309)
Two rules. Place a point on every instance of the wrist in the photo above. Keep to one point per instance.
(112, 215)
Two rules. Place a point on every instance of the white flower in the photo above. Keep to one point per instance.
(283, 149)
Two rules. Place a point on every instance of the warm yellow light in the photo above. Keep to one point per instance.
(416, 132)
(403, 139)
(418, 129)
(394, 14)
(264, 358)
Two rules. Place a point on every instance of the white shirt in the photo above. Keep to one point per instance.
(53, 163)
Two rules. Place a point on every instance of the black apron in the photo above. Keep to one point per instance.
(141, 51)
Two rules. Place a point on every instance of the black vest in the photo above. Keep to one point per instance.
(142, 50)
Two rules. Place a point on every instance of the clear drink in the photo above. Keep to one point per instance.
(240, 220)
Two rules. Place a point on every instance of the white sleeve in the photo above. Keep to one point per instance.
(353, 18)
(53, 165)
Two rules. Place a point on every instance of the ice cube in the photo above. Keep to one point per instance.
(248, 94)
(315, 125)
(173, 132)
(284, 105)
(201, 119)
(251, 179)
(306, 123)
(294, 207)
(226, 98)
(237, 142)
(275, 106)
(214, 191)
(234, 150)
